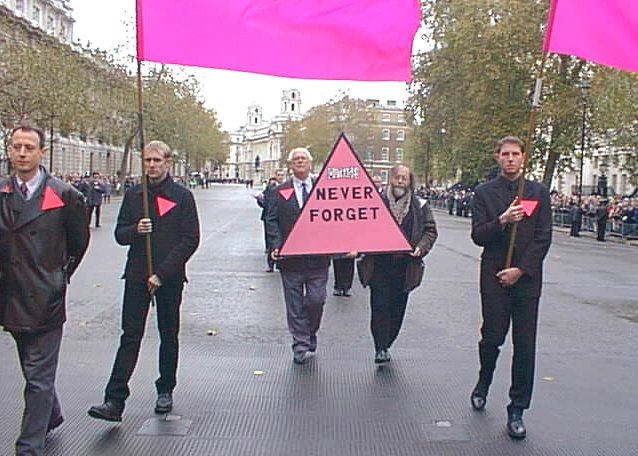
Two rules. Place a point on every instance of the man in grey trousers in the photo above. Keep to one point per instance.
(44, 234)
(304, 278)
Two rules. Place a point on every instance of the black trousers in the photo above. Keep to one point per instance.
(134, 313)
(269, 260)
(388, 301)
(98, 211)
(498, 309)
(343, 272)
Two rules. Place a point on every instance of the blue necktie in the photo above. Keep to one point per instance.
(24, 190)
(304, 193)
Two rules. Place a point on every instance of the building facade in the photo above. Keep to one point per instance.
(55, 17)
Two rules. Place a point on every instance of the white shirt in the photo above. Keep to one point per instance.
(32, 184)
(299, 189)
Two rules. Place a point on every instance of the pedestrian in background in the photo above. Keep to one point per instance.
(303, 278)
(393, 276)
(510, 294)
(266, 195)
(96, 190)
(43, 236)
(174, 229)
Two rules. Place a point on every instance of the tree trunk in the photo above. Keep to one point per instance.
(127, 152)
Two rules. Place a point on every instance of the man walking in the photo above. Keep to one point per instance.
(512, 293)
(303, 278)
(96, 190)
(43, 236)
(174, 229)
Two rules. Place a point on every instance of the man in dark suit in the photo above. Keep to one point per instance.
(44, 233)
(304, 278)
(95, 197)
(273, 182)
(173, 226)
(510, 294)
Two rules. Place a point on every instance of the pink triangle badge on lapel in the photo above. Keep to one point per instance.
(164, 206)
(529, 206)
(286, 193)
(6, 189)
(51, 200)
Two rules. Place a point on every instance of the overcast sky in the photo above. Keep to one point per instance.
(229, 93)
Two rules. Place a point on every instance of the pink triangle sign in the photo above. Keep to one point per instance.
(344, 212)
(529, 206)
(164, 205)
(51, 200)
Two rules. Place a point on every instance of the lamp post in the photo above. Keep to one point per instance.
(584, 87)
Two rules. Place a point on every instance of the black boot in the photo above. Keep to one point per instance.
(515, 426)
(108, 411)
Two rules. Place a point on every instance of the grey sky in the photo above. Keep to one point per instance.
(103, 24)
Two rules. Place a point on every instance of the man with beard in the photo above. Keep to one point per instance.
(510, 294)
(392, 276)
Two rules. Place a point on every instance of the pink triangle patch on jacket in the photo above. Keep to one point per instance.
(164, 206)
(286, 193)
(529, 206)
(51, 200)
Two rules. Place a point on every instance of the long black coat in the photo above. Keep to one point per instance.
(534, 234)
(281, 215)
(41, 244)
(175, 234)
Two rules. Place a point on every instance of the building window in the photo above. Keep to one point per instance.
(401, 118)
(384, 175)
(399, 154)
(385, 134)
(20, 5)
(400, 135)
(385, 152)
(386, 117)
(35, 15)
(370, 154)
(63, 31)
(50, 23)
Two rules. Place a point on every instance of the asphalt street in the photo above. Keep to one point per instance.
(239, 392)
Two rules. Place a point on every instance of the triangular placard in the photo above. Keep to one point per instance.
(344, 212)
(51, 200)
(286, 193)
(529, 206)
(164, 205)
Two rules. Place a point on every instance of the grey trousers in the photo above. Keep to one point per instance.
(38, 353)
(305, 295)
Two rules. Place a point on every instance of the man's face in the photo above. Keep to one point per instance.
(300, 165)
(26, 153)
(510, 158)
(155, 165)
(378, 182)
(401, 178)
(280, 176)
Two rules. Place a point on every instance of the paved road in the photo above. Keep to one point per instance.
(340, 404)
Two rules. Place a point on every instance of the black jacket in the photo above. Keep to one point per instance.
(41, 244)
(422, 234)
(175, 234)
(533, 238)
(281, 215)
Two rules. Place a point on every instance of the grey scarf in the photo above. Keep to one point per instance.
(399, 206)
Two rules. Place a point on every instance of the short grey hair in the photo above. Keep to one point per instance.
(298, 150)
(160, 147)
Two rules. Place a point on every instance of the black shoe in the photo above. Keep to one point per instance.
(345, 292)
(109, 411)
(478, 399)
(54, 424)
(270, 270)
(337, 292)
(382, 357)
(515, 426)
(164, 403)
(299, 357)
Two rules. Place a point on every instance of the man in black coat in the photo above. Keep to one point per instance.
(273, 182)
(43, 236)
(510, 294)
(303, 278)
(96, 191)
(602, 215)
(174, 229)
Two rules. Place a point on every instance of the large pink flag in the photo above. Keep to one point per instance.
(603, 31)
(368, 40)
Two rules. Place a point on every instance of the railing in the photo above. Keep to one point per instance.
(615, 228)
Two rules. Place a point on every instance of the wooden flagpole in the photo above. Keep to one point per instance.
(140, 123)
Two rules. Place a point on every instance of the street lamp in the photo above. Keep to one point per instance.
(584, 88)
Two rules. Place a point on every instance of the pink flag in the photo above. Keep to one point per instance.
(603, 31)
(365, 40)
